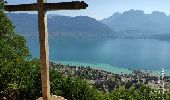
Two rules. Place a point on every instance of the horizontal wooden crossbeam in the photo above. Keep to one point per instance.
(22, 7)
(66, 5)
(48, 6)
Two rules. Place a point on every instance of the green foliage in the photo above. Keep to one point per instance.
(141, 93)
(19, 74)
(73, 88)
(1, 5)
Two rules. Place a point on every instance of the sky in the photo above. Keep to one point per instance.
(100, 9)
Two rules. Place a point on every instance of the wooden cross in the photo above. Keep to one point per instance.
(41, 6)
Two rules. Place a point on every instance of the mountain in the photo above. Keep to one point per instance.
(137, 24)
(163, 37)
(65, 26)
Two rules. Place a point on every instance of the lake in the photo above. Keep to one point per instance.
(123, 53)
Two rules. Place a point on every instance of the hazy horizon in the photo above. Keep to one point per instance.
(91, 16)
(103, 9)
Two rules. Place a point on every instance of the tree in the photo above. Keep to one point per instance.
(73, 88)
(19, 73)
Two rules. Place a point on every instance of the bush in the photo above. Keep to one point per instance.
(73, 88)
(142, 93)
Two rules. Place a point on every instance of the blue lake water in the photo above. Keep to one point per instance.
(125, 53)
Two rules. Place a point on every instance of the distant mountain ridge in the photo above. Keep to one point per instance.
(80, 26)
(137, 24)
(138, 20)
(133, 24)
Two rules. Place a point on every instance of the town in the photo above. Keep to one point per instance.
(107, 81)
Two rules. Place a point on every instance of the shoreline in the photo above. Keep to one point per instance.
(109, 68)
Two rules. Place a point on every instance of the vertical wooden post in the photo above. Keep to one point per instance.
(44, 50)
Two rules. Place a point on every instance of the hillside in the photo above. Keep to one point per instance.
(131, 24)
(80, 26)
